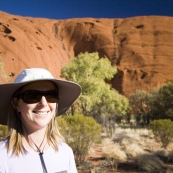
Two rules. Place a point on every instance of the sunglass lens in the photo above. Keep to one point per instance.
(30, 97)
(51, 96)
(33, 96)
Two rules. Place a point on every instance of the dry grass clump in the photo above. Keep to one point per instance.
(165, 155)
(113, 153)
(170, 146)
(161, 152)
(113, 150)
(133, 150)
(170, 156)
(149, 163)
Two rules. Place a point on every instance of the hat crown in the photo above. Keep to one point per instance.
(33, 74)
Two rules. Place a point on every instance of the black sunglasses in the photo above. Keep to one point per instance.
(34, 96)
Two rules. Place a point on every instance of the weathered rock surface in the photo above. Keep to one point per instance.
(141, 47)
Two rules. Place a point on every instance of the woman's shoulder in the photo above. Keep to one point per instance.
(62, 146)
(3, 149)
(3, 144)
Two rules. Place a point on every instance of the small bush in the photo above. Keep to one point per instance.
(80, 132)
(3, 131)
(163, 130)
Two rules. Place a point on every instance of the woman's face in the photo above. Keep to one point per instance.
(36, 116)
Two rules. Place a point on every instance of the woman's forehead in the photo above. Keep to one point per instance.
(39, 85)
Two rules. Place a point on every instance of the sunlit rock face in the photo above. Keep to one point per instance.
(140, 47)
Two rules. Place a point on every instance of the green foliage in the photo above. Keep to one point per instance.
(3, 131)
(97, 96)
(163, 130)
(139, 102)
(87, 66)
(162, 102)
(158, 104)
(80, 132)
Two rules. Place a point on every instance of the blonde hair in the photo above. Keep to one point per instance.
(14, 140)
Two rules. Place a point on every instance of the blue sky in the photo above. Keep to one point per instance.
(64, 9)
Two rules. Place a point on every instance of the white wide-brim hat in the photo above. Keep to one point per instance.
(68, 91)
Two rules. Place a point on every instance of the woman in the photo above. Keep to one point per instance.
(32, 102)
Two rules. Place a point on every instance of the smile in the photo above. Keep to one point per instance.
(41, 112)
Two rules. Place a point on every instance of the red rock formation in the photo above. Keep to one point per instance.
(141, 47)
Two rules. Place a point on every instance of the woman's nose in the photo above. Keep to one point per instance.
(43, 101)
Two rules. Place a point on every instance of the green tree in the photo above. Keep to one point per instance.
(140, 105)
(97, 96)
(163, 130)
(162, 102)
(153, 99)
(80, 132)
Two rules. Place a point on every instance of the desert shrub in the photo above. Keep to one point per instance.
(80, 132)
(163, 130)
(3, 131)
(149, 163)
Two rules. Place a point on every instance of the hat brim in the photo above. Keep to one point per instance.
(68, 93)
